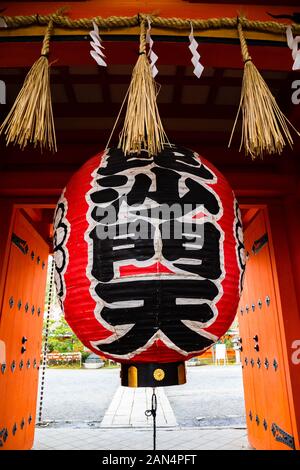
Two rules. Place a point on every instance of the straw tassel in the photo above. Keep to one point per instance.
(30, 118)
(142, 128)
(265, 129)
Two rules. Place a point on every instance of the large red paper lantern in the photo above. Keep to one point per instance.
(149, 260)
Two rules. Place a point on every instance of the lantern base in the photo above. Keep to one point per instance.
(153, 374)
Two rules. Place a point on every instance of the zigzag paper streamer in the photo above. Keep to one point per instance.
(198, 67)
(293, 45)
(152, 56)
(97, 53)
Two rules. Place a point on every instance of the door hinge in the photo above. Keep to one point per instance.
(259, 244)
(282, 436)
(21, 244)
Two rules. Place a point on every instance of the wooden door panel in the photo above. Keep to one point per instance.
(248, 329)
(20, 329)
(266, 396)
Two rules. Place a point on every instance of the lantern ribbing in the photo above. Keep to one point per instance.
(149, 309)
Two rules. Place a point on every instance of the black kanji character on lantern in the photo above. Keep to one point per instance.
(170, 167)
(176, 158)
(173, 178)
(160, 310)
(110, 250)
(198, 243)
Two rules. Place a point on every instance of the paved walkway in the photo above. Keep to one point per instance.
(140, 439)
(128, 408)
(125, 427)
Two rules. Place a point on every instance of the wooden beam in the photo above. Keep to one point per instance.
(167, 8)
(118, 79)
(34, 213)
(66, 80)
(272, 3)
(214, 84)
(94, 140)
(76, 52)
(49, 182)
(178, 82)
(7, 213)
(30, 183)
(111, 110)
(248, 216)
(104, 80)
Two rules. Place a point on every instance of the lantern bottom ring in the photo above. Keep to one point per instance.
(153, 374)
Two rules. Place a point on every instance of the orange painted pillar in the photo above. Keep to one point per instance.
(7, 214)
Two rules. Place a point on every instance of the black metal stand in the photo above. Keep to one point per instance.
(152, 413)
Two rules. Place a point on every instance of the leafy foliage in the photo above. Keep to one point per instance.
(61, 338)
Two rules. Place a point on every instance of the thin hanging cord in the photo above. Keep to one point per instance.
(117, 120)
(45, 349)
(152, 413)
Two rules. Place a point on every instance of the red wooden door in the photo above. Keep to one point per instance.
(265, 386)
(20, 335)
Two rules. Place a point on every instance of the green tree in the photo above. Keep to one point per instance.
(61, 338)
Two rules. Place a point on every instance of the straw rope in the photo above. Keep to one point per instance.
(265, 129)
(46, 40)
(112, 22)
(31, 118)
(143, 129)
(143, 43)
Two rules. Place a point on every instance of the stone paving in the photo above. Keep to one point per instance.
(128, 407)
(174, 438)
(125, 427)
